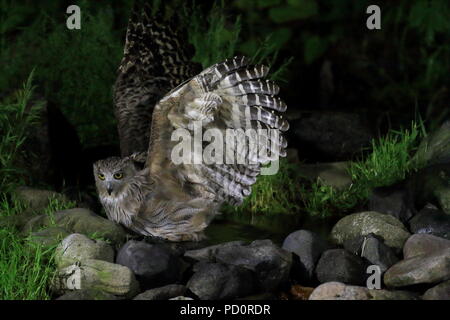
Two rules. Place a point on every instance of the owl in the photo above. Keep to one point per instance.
(159, 92)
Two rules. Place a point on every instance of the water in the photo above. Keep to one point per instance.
(275, 227)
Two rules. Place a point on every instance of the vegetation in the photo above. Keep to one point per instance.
(288, 193)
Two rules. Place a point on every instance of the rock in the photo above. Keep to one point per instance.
(393, 200)
(331, 136)
(341, 266)
(435, 147)
(390, 229)
(162, 293)
(97, 275)
(77, 247)
(339, 291)
(431, 185)
(333, 174)
(376, 252)
(439, 292)
(49, 236)
(375, 294)
(181, 298)
(423, 244)
(431, 220)
(79, 220)
(87, 295)
(154, 265)
(209, 253)
(432, 268)
(308, 246)
(37, 199)
(443, 198)
(214, 281)
(270, 263)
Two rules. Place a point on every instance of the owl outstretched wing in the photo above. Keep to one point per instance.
(229, 100)
(157, 58)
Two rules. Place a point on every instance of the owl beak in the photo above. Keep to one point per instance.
(109, 188)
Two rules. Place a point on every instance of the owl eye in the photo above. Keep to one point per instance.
(118, 176)
(101, 176)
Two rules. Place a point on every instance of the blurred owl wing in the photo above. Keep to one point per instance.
(227, 95)
(157, 58)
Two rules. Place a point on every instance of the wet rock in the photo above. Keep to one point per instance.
(308, 246)
(162, 293)
(270, 263)
(77, 247)
(431, 220)
(435, 147)
(393, 200)
(423, 244)
(49, 236)
(215, 281)
(333, 174)
(439, 292)
(87, 295)
(97, 275)
(390, 229)
(79, 220)
(37, 199)
(341, 266)
(339, 291)
(331, 136)
(432, 268)
(153, 264)
(373, 249)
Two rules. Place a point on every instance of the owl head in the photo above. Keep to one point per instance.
(113, 174)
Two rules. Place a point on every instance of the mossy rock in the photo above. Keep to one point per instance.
(79, 220)
(390, 229)
(38, 199)
(435, 148)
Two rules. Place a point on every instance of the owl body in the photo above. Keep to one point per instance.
(160, 197)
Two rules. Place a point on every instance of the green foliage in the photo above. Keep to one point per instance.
(75, 68)
(26, 267)
(16, 118)
(288, 193)
(273, 194)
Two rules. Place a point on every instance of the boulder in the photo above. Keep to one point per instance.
(390, 229)
(154, 265)
(431, 220)
(333, 174)
(209, 253)
(37, 199)
(422, 269)
(77, 247)
(423, 244)
(215, 281)
(341, 291)
(393, 200)
(307, 246)
(162, 293)
(79, 220)
(270, 263)
(341, 266)
(439, 292)
(373, 249)
(87, 295)
(48, 237)
(97, 275)
(434, 148)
